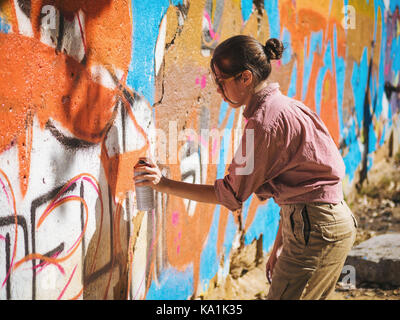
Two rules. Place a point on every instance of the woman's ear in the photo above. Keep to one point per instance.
(247, 77)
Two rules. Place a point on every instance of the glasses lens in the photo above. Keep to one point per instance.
(217, 82)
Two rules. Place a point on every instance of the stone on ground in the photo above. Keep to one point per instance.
(377, 260)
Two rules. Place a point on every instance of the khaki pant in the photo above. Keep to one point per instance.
(317, 238)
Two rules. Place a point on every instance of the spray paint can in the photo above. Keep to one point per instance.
(144, 194)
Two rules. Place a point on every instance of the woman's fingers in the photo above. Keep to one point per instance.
(146, 173)
(146, 161)
(145, 168)
(144, 178)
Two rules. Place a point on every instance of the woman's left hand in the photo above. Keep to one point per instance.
(152, 176)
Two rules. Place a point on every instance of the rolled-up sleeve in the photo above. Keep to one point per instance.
(249, 169)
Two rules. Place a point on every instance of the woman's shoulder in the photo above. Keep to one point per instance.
(273, 108)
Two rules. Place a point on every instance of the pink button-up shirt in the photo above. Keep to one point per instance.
(291, 156)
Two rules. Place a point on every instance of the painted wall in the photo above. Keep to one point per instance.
(85, 89)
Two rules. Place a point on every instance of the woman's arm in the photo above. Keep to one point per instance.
(154, 179)
(196, 192)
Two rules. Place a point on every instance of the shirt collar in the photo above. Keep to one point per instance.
(258, 96)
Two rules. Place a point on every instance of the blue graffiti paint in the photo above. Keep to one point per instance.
(246, 206)
(230, 232)
(223, 154)
(315, 46)
(247, 9)
(145, 32)
(359, 81)
(293, 80)
(381, 83)
(372, 139)
(173, 285)
(272, 9)
(393, 4)
(340, 68)
(209, 260)
(224, 108)
(353, 156)
(287, 53)
(4, 26)
(394, 54)
(266, 221)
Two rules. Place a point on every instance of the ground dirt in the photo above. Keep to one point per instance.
(376, 205)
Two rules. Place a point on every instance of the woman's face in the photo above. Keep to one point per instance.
(233, 90)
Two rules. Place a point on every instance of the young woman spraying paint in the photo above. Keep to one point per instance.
(294, 160)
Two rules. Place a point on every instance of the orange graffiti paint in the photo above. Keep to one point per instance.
(312, 20)
(39, 81)
(119, 171)
(108, 28)
(329, 111)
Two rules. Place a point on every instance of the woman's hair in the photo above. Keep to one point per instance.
(240, 53)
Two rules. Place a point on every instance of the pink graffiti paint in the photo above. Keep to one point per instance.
(175, 218)
(213, 34)
(57, 200)
(82, 33)
(214, 147)
(178, 247)
(5, 191)
(66, 286)
(45, 264)
(191, 138)
(66, 187)
(2, 237)
(91, 182)
(202, 82)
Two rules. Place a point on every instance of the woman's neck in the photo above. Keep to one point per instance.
(261, 86)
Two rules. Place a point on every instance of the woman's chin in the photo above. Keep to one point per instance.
(233, 105)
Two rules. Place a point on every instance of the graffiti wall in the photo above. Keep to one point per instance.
(87, 87)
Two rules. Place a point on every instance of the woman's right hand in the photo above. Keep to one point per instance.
(151, 174)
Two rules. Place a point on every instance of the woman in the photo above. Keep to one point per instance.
(293, 159)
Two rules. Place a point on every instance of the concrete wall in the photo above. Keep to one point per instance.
(85, 89)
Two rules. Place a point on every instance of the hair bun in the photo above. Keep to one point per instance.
(273, 49)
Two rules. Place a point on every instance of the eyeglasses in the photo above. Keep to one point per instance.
(220, 81)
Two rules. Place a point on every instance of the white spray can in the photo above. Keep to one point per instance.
(144, 194)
